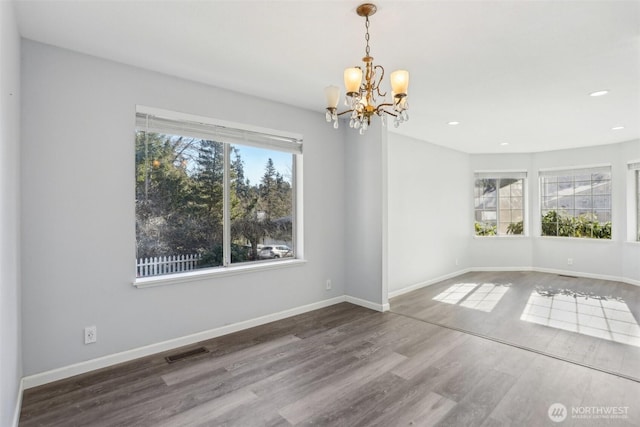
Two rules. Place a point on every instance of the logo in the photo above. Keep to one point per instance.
(557, 412)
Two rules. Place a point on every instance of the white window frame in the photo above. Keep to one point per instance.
(568, 171)
(633, 201)
(505, 174)
(277, 140)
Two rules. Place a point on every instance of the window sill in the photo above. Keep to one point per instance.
(192, 276)
(575, 239)
(506, 237)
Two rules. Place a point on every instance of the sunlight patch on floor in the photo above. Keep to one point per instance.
(608, 319)
(482, 297)
(485, 297)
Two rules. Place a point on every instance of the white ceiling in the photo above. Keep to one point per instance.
(515, 71)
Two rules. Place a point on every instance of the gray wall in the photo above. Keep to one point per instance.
(10, 346)
(504, 251)
(78, 212)
(430, 215)
(365, 202)
(381, 211)
(609, 258)
(615, 258)
(430, 211)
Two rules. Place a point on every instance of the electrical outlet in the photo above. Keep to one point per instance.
(569, 261)
(90, 334)
(328, 285)
(457, 261)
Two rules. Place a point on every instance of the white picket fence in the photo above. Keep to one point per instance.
(166, 264)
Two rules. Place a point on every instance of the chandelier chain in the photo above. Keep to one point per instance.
(366, 36)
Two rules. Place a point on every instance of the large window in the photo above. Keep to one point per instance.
(209, 195)
(499, 200)
(576, 202)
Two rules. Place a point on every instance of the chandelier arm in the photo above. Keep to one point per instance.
(377, 87)
(344, 112)
(380, 110)
(386, 104)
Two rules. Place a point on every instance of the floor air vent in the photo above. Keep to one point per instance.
(566, 275)
(186, 354)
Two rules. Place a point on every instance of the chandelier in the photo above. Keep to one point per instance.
(361, 94)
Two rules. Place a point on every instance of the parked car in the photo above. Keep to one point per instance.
(275, 251)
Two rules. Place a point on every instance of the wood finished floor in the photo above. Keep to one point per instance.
(340, 366)
(503, 321)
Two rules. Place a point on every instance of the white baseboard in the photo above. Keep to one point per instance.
(502, 269)
(16, 412)
(537, 269)
(563, 272)
(367, 304)
(125, 356)
(427, 283)
(632, 282)
(588, 275)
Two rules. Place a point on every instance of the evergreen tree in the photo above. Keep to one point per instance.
(179, 200)
(247, 219)
(162, 186)
(208, 202)
(268, 190)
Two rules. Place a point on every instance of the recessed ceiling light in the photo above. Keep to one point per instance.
(617, 128)
(599, 93)
(504, 143)
(453, 123)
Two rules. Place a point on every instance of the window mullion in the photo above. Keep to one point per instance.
(498, 205)
(638, 204)
(593, 212)
(226, 220)
(294, 204)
